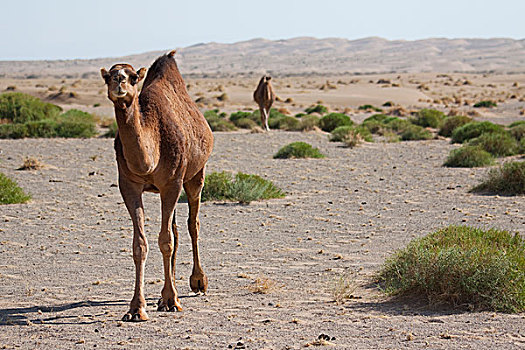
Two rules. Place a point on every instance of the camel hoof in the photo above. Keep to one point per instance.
(136, 316)
(169, 306)
(198, 283)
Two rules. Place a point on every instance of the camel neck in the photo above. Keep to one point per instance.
(139, 147)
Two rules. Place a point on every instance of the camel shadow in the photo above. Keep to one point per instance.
(21, 316)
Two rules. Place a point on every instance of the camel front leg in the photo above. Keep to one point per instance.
(169, 197)
(264, 118)
(193, 188)
(132, 195)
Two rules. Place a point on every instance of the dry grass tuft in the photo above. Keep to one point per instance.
(31, 163)
(262, 285)
(344, 286)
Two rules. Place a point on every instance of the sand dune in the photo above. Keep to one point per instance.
(306, 55)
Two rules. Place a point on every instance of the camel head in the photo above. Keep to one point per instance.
(122, 82)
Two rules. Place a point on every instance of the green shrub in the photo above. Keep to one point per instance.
(497, 144)
(376, 118)
(309, 122)
(298, 150)
(474, 129)
(75, 123)
(20, 108)
(247, 188)
(521, 146)
(451, 123)
(316, 109)
(245, 123)
(387, 104)
(244, 188)
(10, 193)
(468, 157)
(285, 123)
(516, 123)
(415, 132)
(518, 131)
(461, 265)
(218, 122)
(397, 124)
(13, 131)
(508, 179)
(429, 118)
(341, 133)
(369, 107)
(236, 116)
(373, 126)
(333, 120)
(487, 104)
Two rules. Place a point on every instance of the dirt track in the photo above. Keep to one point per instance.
(66, 271)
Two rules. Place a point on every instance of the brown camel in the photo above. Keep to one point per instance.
(264, 96)
(162, 145)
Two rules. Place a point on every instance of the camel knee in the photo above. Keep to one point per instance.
(140, 252)
(166, 246)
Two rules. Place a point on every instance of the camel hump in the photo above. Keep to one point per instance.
(172, 53)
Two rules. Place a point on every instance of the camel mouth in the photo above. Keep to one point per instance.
(120, 94)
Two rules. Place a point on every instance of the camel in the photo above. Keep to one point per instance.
(162, 145)
(264, 96)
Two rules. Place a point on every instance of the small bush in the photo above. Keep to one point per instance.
(75, 123)
(461, 265)
(21, 108)
(397, 124)
(468, 157)
(13, 131)
(519, 122)
(376, 118)
(248, 188)
(244, 188)
(508, 179)
(429, 118)
(474, 129)
(245, 123)
(369, 107)
(333, 120)
(309, 122)
(451, 123)
(487, 104)
(236, 116)
(10, 193)
(340, 133)
(518, 131)
(316, 109)
(415, 132)
(298, 150)
(497, 144)
(218, 122)
(285, 123)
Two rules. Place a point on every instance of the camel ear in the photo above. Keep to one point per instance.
(268, 78)
(142, 73)
(172, 53)
(105, 74)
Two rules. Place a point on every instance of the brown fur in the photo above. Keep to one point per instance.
(264, 96)
(162, 145)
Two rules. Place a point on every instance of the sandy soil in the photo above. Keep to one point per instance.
(66, 273)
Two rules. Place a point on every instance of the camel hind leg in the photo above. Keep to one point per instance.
(193, 188)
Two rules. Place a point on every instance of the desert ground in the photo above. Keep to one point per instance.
(66, 269)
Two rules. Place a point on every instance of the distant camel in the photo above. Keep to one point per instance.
(162, 145)
(264, 96)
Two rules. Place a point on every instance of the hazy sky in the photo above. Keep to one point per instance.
(63, 29)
